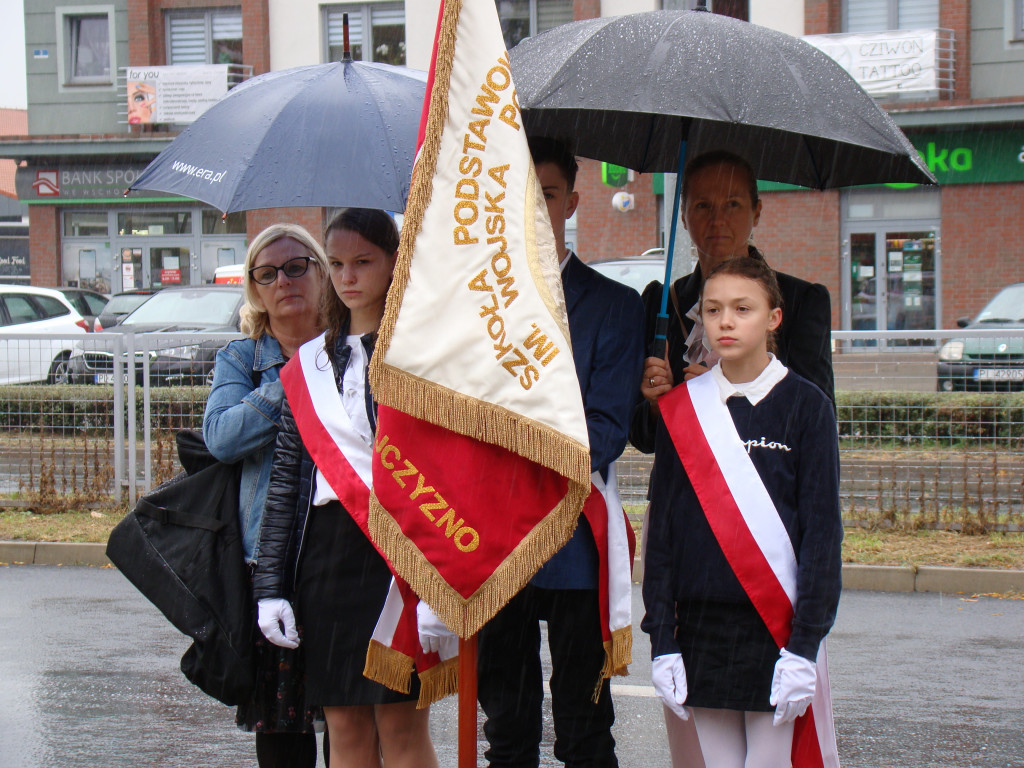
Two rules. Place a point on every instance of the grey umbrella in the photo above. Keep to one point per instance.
(629, 89)
(334, 134)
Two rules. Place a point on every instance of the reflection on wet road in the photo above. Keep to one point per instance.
(89, 677)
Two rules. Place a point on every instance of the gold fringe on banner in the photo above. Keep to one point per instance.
(388, 667)
(422, 186)
(618, 653)
(438, 682)
(484, 421)
(465, 616)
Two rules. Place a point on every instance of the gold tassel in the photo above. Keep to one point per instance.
(388, 667)
(618, 653)
(438, 682)
(481, 420)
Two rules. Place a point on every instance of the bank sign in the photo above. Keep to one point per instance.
(59, 183)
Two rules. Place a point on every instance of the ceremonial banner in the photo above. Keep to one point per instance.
(344, 462)
(481, 463)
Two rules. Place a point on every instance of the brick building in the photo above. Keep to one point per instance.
(892, 258)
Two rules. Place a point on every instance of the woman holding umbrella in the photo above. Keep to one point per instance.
(721, 207)
(285, 270)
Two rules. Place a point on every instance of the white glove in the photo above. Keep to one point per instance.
(792, 686)
(274, 613)
(669, 678)
(432, 630)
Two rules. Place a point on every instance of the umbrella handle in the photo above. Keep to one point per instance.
(660, 336)
(661, 328)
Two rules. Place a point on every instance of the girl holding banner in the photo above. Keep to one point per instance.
(742, 567)
(316, 554)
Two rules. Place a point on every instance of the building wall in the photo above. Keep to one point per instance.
(781, 15)
(799, 235)
(602, 231)
(54, 108)
(997, 70)
(296, 40)
(982, 232)
(44, 245)
(310, 218)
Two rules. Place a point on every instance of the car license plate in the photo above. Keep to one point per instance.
(108, 378)
(999, 374)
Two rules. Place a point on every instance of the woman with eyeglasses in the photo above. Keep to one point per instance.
(285, 270)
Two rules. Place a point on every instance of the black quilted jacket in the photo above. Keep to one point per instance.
(289, 495)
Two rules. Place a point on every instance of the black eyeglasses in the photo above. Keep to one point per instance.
(267, 274)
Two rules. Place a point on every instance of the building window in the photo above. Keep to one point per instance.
(205, 37)
(376, 32)
(86, 223)
(525, 18)
(84, 47)
(878, 15)
(737, 9)
(1018, 20)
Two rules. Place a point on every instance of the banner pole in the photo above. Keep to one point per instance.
(467, 702)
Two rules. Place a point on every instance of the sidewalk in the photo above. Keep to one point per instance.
(876, 578)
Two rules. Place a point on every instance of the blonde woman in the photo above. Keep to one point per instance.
(285, 271)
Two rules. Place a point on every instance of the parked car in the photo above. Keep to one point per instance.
(987, 363)
(636, 272)
(120, 306)
(177, 312)
(86, 302)
(28, 309)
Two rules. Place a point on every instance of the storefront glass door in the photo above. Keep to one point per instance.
(169, 266)
(892, 279)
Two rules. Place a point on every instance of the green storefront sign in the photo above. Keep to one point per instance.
(960, 157)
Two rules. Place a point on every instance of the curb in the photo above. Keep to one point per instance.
(925, 578)
(875, 578)
(53, 553)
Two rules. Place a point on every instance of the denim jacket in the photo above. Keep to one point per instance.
(241, 424)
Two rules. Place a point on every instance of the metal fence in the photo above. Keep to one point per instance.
(914, 448)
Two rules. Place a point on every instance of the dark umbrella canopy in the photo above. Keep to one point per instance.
(628, 89)
(334, 134)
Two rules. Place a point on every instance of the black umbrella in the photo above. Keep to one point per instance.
(628, 89)
(645, 89)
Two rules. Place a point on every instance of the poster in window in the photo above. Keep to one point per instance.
(177, 94)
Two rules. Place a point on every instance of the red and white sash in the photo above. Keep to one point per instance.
(345, 462)
(616, 544)
(750, 532)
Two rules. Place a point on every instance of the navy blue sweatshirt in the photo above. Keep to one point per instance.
(684, 561)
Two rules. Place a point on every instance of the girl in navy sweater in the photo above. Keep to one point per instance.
(742, 568)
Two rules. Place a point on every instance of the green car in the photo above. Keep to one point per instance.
(995, 363)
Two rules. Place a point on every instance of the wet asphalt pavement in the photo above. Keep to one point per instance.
(89, 677)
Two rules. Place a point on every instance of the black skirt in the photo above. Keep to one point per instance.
(729, 655)
(278, 700)
(342, 584)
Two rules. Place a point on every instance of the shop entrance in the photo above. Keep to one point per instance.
(892, 280)
(891, 262)
(154, 266)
